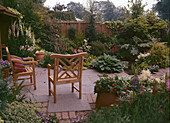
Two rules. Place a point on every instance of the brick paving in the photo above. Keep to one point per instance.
(67, 117)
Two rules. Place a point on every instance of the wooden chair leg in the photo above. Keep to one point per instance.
(31, 78)
(49, 87)
(15, 80)
(54, 93)
(34, 81)
(72, 87)
(80, 89)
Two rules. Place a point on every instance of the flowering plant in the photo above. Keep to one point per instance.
(112, 85)
(154, 68)
(41, 51)
(4, 64)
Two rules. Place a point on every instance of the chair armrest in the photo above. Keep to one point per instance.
(15, 56)
(24, 62)
(29, 58)
(48, 65)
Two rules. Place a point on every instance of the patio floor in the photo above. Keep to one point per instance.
(88, 79)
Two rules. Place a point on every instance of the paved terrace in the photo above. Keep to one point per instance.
(88, 79)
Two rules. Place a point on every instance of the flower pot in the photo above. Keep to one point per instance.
(39, 55)
(106, 99)
(5, 72)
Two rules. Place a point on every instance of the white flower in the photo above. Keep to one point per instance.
(145, 75)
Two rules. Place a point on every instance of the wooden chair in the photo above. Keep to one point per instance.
(66, 69)
(29, 69)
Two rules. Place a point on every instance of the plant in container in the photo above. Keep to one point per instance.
(109, 90)
(4, 67)
(39, 55)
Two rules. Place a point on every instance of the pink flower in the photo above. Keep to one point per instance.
(100, 86)
(113, 85)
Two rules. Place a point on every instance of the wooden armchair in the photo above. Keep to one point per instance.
(22, 70)
(66, 69)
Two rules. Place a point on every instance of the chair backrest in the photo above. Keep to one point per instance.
(68, 66)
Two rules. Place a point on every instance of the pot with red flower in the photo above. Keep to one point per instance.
(109, 90)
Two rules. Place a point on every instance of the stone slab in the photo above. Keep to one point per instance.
(68, 102)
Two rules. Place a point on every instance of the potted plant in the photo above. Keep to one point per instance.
(39, 55)
(109, 90)
(4, 68)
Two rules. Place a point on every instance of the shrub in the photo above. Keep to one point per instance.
(146, 108)
(88, 60)
(97, 48)
(118, 85)
(4, 90)
(79, 39)
(46, 60)
(71, 33)
(107, 63)
(20, 112)
(159, 55)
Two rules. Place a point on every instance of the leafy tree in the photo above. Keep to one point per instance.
(59, 7)
(163, 8)
(135, 8)
(78, 9)
(91, 30)
(49, 35)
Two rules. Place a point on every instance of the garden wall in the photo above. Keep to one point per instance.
(81, 26)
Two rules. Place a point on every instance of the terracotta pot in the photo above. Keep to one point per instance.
(106, 99)
(39, 56)
(5, 73)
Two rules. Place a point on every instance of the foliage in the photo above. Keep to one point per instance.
(4, 64)
(107, 63)
(134, 68)
(15, 93)
(97, 48)
(46, 60)
(159, 55)
(149, 107)
(79, 39)
(116, 26)
(71, 33)
(24, 39)
(112, 85)
(88, 60)
(86, 47)
(48, 119)
(136, 9)
(64, 45)
(154, 68)
(49, 35)
(20, 112)
(138, 34)
(33, 12)
(162, 7)
(4, 90)
(90, 31)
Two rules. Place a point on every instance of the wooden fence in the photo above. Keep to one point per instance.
(81, 26)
